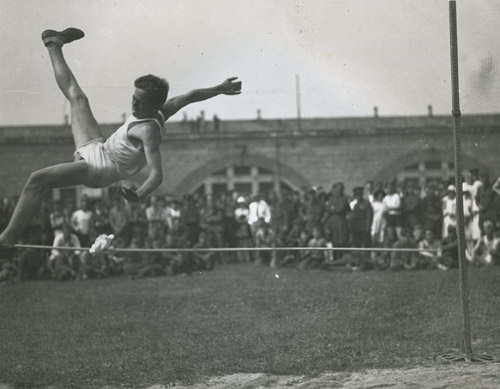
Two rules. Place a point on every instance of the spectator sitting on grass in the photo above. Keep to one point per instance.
(203, 260)
(65, 263)
(403, 259)
(487, 249)
(313, 259)
(429, 257)
(293, 239)
(264, 237)
(31, 263)
(134, 259)
(116, 258)
(151, 263)
(449, 259)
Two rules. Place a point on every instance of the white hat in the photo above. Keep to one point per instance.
(240, 199)
(451, 188)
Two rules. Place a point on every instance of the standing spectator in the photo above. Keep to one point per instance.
(360, 219)
(392, 202)
(337, 209)
(243, 232)
(449, 210)
(119, 218)
(378, 222)
(172, 211)
(258, 209)
(100, 220)
(138, 221)
(411, 206)
(486, 201)
(214, 217)
(191, 219)
(312, 210)
(289, 210)
(431, 210)
(80, 222)
(57, 218)
(369, 191)
(157, 218)
(470, 212)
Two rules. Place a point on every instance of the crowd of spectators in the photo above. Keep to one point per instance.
(376, 215)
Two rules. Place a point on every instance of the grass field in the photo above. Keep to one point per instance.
(236, 319)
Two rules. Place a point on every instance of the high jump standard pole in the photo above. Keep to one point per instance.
(466, 344)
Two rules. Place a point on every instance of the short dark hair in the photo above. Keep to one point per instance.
(157, 86)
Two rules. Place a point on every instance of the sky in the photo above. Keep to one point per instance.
(350, 55)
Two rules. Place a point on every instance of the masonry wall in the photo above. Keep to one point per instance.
(370, 150)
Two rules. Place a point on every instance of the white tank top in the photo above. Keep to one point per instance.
(127, 158)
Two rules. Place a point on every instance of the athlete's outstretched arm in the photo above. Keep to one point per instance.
(173, 105)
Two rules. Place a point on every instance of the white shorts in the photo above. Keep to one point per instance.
(102, 170)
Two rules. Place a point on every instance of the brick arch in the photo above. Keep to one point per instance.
(194, 178)
(391, 169)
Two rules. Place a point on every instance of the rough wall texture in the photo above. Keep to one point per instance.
(352, 150)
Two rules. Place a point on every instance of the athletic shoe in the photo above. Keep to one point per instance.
(62, 37)
(101, 243)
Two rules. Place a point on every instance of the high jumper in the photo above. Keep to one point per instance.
(100, 163)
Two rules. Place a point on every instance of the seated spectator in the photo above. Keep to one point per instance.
(296, 237)
(65, 264)
(429, 257)
(31, 262)
(449, 260)
(487, 249)
(264, 237)
(313, 259)
(116, 258)
(404, 259)
(203, 260)
(133, 261)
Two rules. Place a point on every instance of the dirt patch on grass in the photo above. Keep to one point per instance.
(454, 376)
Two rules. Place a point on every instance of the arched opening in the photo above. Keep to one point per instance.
(248, 174)
(425, 166)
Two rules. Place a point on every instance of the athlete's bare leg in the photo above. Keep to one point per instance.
(83, 124)
(84, 128)
(57, 176)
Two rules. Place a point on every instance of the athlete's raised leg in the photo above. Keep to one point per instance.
(57, 176)
(83, 124)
